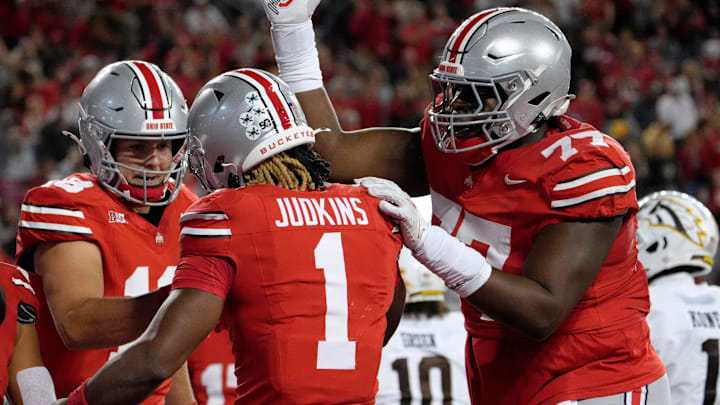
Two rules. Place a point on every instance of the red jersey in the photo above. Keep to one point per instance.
(574, 173)
(314, 276)
(20, 307)
(138, 257)
(211, 369)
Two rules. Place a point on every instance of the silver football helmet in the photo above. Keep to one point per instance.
(676, 232)
(503, 71)
(133, 100)
(238, 120)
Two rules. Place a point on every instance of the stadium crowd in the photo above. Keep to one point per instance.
(645, 72)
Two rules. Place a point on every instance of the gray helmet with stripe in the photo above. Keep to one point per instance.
(238, 120)
(515, 56)
(133, 100)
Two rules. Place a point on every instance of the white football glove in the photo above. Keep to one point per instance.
(289, 12)
(293, 39)
(397, 205)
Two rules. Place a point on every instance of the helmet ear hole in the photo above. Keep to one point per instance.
(652, 248)
(218, 168)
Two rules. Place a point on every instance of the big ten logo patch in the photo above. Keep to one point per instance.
(116, 217)
(256, 118)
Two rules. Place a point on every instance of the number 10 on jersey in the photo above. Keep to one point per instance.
(336, 352)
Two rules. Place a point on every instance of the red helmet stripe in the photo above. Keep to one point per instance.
(155, 93)
(273, 93)
(466, 30)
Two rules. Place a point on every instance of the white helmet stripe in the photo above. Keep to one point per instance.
(270, 92)
(153, 89)
(466, 30)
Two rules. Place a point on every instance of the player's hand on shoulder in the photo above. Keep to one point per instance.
(289, 12)
(397, 204)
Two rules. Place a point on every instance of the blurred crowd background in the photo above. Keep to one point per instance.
(646, 72)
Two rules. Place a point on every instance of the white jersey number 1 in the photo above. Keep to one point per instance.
(336, 352)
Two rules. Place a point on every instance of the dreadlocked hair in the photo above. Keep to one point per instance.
(300, 168)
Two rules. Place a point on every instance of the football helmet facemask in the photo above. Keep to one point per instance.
(675, 232)
(238, 120)
(133, 100)
(503, 72)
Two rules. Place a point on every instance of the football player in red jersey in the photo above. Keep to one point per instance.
(104, 242)
(24, 378)
(211, 368)
(302, 273)
(533, 212)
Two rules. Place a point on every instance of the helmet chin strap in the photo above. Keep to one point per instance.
(154, 193)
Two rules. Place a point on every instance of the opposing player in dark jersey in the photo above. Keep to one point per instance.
(533, 212)
(302, 273)
(23, 377)
(104, 242)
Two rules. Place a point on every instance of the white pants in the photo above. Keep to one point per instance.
(655, 393)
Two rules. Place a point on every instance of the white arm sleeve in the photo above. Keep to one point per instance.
(36, 386)
(297, 56)
(463, 268)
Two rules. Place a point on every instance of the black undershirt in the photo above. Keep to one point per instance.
(154, 215)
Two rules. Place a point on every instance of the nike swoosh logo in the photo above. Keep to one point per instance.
(511, 182)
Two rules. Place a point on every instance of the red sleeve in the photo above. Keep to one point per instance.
(596, 182)
(211, 274)
(55, 212)
(24, 290)
(206, 228)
